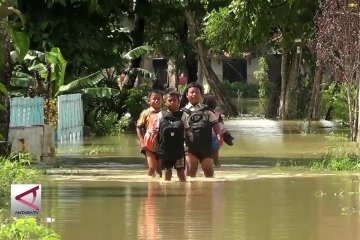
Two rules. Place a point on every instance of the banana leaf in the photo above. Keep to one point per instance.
(20, 79)
(81, 83)
(101, 92)
(138, 52)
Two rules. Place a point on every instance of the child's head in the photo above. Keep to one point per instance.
(155, 99)
(210, 101)
(194, 92)
(172, 100)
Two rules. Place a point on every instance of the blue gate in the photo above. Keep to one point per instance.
(26, 111)
(70, 118)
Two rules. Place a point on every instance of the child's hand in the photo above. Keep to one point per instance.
(142, 145)
(220, 139)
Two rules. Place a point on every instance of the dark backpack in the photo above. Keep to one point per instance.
(170, 138)
(201, 130)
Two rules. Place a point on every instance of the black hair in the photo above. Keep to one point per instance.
(210, 101)
(194, 85)
(155, 91)
(173, 93)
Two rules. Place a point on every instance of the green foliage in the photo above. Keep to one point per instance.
(5, 92)
(335, 95)
(252, 25)
(36, 60)
(92, 32)
(135, 101)
(25, 228)
(262, 76)
(16, 170)
(20, 40)
(82, 83)
(339, 156)
(109, 125)
(241, 89)
(137, 52)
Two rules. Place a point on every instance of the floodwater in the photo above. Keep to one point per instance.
(108, 195)
(243, 203)
(256, 140)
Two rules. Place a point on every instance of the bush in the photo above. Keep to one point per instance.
(19, 171)
(16, 171)
(25, 228)
(338, 157)
(335, 97)
(108, 124)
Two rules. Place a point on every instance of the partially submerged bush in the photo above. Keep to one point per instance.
(339, 156)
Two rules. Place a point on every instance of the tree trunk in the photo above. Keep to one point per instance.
(137, 36)
(358, 111)
(189, 53)
(5, 76)
(283, 74)
(273, 106)
(316, 95)
(211, 77)
(289, 85)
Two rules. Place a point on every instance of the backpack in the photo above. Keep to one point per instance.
(149, 136)
(201, 130)
(170, 137)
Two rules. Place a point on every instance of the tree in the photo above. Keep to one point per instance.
(338, 49)
(9, 36)
(263, 27)
(211, 77)
(91, 34)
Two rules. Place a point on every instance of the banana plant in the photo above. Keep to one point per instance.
(19, 39)
(39, 61)
(101, 84)
(9, 37)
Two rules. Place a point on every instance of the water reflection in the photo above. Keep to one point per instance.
(148, 227)
(299, 207)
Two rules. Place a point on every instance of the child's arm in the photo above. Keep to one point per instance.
(140, 129)
(216, 127)
(140, 136)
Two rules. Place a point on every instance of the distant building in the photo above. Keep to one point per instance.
(226, 68)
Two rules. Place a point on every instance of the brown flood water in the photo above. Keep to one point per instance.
(255, 139)
(113, 200)
(239, 203)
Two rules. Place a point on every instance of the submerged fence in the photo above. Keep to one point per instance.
(26, 111)
(70, 118)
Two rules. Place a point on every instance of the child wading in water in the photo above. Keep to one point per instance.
(170, 139)
(146, 131)
(202, 121)
(210, 101)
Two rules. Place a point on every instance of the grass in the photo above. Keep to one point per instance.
(18, 170)
(339, 157)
